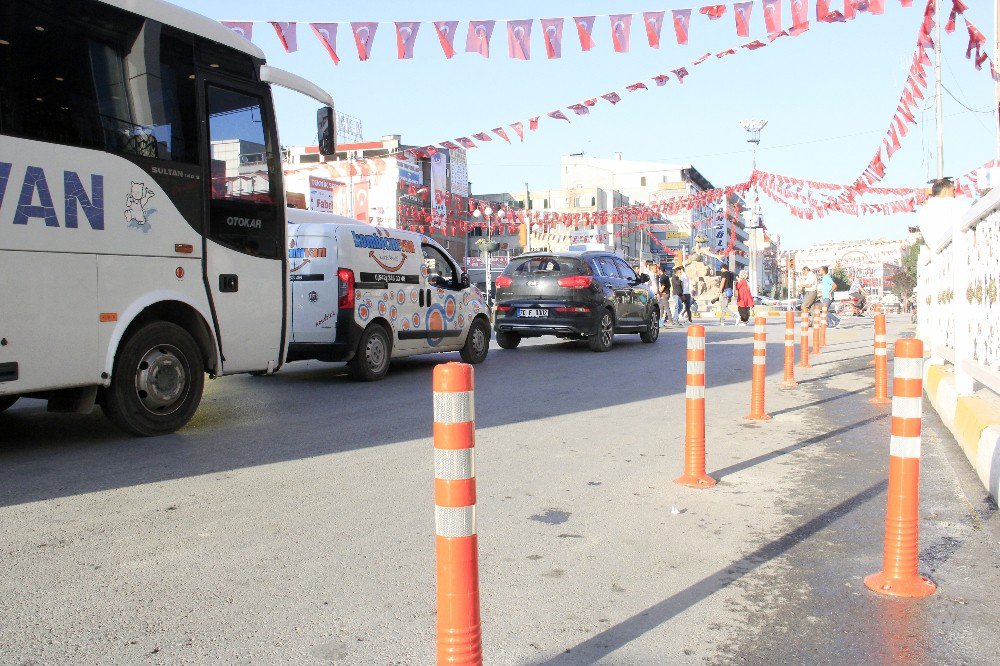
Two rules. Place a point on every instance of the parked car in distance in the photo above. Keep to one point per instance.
(589, 295)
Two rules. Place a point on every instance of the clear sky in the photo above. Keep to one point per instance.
(828, 95)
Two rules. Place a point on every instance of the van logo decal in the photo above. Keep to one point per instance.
(385, 266)
(302, 265)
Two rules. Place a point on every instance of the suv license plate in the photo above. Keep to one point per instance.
(521, 312)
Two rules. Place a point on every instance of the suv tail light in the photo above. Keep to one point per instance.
(345, 289)
(573, 310)
(503, 281)
(576, 282)
(503, 308)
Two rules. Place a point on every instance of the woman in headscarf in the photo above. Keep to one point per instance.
(744, 299)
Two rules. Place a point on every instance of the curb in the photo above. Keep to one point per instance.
(974, 422)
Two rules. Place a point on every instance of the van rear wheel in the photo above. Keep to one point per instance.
(371, 359)
(7, 401)
(157, 382)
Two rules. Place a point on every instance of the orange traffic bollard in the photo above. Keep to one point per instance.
(459, 635)
(789, 380)
(804, 343)
(899, 576)
(881, 364)
(815, 321)
(759, 372)
(694, 435)
(824, 318)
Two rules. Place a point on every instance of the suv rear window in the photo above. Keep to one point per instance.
(547, 266)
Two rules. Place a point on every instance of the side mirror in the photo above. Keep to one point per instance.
(326, 131)
(464, 281)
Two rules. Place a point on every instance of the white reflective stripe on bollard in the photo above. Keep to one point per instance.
(904, 447)
(879, 338)
(696, 342)
(906, 408)
(880, 351)
(694, 392)
(454, 464)
(760, 344)
(759, 360)
(696, 367)
(456, 407)
(455, 521)
(908, 368)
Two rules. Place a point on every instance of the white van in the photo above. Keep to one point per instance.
(365, 295)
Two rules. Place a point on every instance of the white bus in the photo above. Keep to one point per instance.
(142, 211)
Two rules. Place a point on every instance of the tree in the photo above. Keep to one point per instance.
(905, 280)
(841, 280)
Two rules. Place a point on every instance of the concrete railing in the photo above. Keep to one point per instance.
(958, 313)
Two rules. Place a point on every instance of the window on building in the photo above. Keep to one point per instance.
(545, 203)
(593, 201)
(642, 181)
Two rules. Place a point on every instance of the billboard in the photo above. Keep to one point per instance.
(459, 172)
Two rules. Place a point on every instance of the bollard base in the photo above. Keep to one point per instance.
(881, 401)
(695, 481)
(803, 365)
(757, 417)
(789, 384)
(916, 586)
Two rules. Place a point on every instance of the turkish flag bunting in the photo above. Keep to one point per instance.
(478, 39)
(775, 35)
(466, 141)
(481, 136)
(552, 31)
(533, 123)
(850, 6)
(519, 39)
(876, 6)
(612, 97)
(713, 12)
(585, 28)
(636, 86)
(754, 45)
(446, 35)
(364, 35)
(772, 15)
(557, 115)
(680, 73)
(892, 147)
(661, 79)
(682, 20)
(702, 59)
(901, 126)
(654, 22)
(800, 12)
(727, 52)
(501, 133)
(579, 109)
(822, 10)
(798, 29)
(621, 27)
(326, 33)
(406, 35)
(286, 35)
(976, 41)
(450, 145)
(742, 11)
(590, 102)
(242, 28)
(518, 128)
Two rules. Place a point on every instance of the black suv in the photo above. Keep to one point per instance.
(590, 295)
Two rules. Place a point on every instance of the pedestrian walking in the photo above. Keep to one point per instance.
(744, 298)
(807, 285)
(726, 293)
(663, 294)
(676, 290)
(826, 289)
(685, 295)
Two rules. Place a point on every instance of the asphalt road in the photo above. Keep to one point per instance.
(292, 520)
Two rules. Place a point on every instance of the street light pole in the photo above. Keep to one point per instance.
(938, 102)
(753, 128)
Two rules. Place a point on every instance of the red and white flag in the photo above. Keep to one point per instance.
(518, 128)
(680, 73)
(557, 115)
(286, 35)
(533, 123)
(772, 15)
(446, 35)
(499, 131)
(742, 11)
(822, 10)
(876, 6)
(612, 97)
(364, 35)
(585, 29)
(713, 12)
(242, 28)
(552, 32)
(800, 12)
(661, 79)
(579, 109)
(621, 27)
(326, 33)
(654, 23)
(406, 35)
(702, 59)
(636, 86)
(481, 136)
(519, 39)
(682, 20)
(465, 141)
(478, 39)
(754, 45)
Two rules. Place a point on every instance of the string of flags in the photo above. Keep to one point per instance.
(479, 33)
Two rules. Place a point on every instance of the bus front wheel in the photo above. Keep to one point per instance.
(157, 382)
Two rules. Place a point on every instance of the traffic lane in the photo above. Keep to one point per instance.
(310, 409)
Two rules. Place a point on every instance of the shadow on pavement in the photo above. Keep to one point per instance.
(602, 644)
(843, 394)
(849, 371)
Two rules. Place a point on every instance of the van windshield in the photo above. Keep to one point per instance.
(547, 265)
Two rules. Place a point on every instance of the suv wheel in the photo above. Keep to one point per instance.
(508, 340)
(371, 359)
(652, 332)
(477, 343)
(602, 340)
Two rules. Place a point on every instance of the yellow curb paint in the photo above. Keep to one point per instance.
(935, 373)
(972, 416)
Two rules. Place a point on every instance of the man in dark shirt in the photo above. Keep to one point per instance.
(676, 291)
(725, 293)
(663, 295)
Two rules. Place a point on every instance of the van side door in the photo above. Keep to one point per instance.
(442, 287)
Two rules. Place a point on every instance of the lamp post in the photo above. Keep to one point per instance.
(488, 246)
(753, 128)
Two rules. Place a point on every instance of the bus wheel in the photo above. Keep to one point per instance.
(7, 401)
(158, 379)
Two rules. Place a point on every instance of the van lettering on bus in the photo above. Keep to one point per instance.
(248, 222)
(379, 242)
(35, 186)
